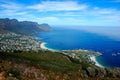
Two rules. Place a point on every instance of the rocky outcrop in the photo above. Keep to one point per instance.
(15, 71)
(96, 72)
(90, 71)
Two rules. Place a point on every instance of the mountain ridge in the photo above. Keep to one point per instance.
(22, 27)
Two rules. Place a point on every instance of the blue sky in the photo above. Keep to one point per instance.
(63, 12)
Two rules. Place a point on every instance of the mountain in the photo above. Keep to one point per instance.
(22, 27)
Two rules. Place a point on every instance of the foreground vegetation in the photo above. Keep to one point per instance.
(47, 65)
(46, 59)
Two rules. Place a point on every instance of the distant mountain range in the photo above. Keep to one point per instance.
(22, 27)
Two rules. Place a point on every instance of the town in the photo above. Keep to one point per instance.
(11, 42)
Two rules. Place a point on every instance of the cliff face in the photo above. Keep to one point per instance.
(23, 27)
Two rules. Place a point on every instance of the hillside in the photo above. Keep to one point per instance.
(22, 27)
(47, 65)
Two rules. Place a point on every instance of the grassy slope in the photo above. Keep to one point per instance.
(46, 59)
(56, 62)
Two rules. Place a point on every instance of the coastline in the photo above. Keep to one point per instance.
(96, 62)
(42, 46)
(93, 58)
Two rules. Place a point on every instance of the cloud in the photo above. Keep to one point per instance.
(55, 20)
(111, 15)
(9, 9)
(103, 11)
(60, 12)
(58, 6)
(10, 6)
(111, 18)
(47, 19)
(103, 14)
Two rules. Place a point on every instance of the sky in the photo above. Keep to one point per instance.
(63, 12)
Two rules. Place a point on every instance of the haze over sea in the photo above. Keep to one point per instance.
(102, 39)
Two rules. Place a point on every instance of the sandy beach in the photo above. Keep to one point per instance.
(96, 63)
(42, 46)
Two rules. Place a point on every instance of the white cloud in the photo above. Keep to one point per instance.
(110, 15)
(48, 19)
(103, 11)
(58, 6)
(70, 12)
(105, 16)
(12, 13)
(57, 20)
(9, 9)
(10, 6)
(111, 18)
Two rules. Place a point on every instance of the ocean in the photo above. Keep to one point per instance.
(69, 39)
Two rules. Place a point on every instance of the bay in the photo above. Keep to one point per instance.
(69, 39)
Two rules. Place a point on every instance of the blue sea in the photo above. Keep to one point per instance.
(69, 39)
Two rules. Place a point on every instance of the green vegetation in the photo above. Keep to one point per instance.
(46, 59)
(52, 66)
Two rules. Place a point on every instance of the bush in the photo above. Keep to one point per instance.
(12, 73)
